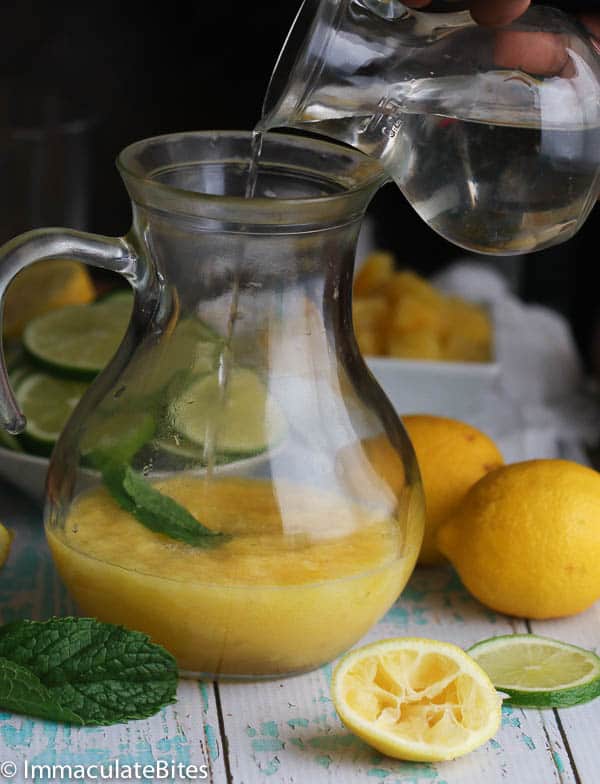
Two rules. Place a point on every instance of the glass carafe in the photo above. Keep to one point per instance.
(492, 135)
(234, 483)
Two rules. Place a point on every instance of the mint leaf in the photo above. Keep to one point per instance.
(23, 692)
(156, 511)
(83, 671)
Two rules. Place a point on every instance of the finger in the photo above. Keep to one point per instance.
(543, 54)
(497, 12)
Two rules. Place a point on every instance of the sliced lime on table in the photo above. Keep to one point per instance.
(538, 672)
(79, 339)
(47, 403)
(241, 417)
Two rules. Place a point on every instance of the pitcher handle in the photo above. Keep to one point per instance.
(110, 253)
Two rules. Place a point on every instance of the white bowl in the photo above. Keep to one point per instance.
(459, 390)
(27, 472)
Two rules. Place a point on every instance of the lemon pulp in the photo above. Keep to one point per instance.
(304, 575)
(416, 699)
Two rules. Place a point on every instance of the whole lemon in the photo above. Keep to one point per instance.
(42, 288)
(526, 539)
(452, 456)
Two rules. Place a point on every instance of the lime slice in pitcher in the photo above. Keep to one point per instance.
(241, 418)
(116, 436)
(47, 403)
(8, 441)
(79, 339)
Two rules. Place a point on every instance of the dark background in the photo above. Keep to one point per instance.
(118, 72)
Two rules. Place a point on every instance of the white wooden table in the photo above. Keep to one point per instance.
(287, 732)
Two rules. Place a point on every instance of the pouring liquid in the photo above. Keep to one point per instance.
(225, 361)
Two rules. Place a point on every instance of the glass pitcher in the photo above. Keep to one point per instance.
(234, 484)
(493, 135)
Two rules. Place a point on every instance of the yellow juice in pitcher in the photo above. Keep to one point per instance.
(288, 591)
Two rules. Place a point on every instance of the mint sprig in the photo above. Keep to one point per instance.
(111, 453)
(83, 671)
(23, 692)
(156, 511)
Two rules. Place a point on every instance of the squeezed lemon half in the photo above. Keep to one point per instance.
(416, 699)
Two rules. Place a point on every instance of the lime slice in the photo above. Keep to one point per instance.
(47, 403)
(114, 294)
(538, 672)
(192, 349)
(416, 699)
(79, 339)
(241, 418)
(163, 370)
(179, 451)
(9, 441)
(116, 436)
(20, 372)
(45, 286)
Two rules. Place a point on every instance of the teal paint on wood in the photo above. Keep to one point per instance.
(203, 687)
(324, 761)
(508, 720)
(271, 767)
(269, 728)
(211, 741)
(294, 723)
(560, 766)
(266, 744)
(16, 736)
(528, 741)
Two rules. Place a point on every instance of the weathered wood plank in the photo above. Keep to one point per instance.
(288, 731)
(580, 726)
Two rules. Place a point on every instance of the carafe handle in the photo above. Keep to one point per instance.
(110, 253)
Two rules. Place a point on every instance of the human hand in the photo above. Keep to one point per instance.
(487, 12)
(540, 53)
